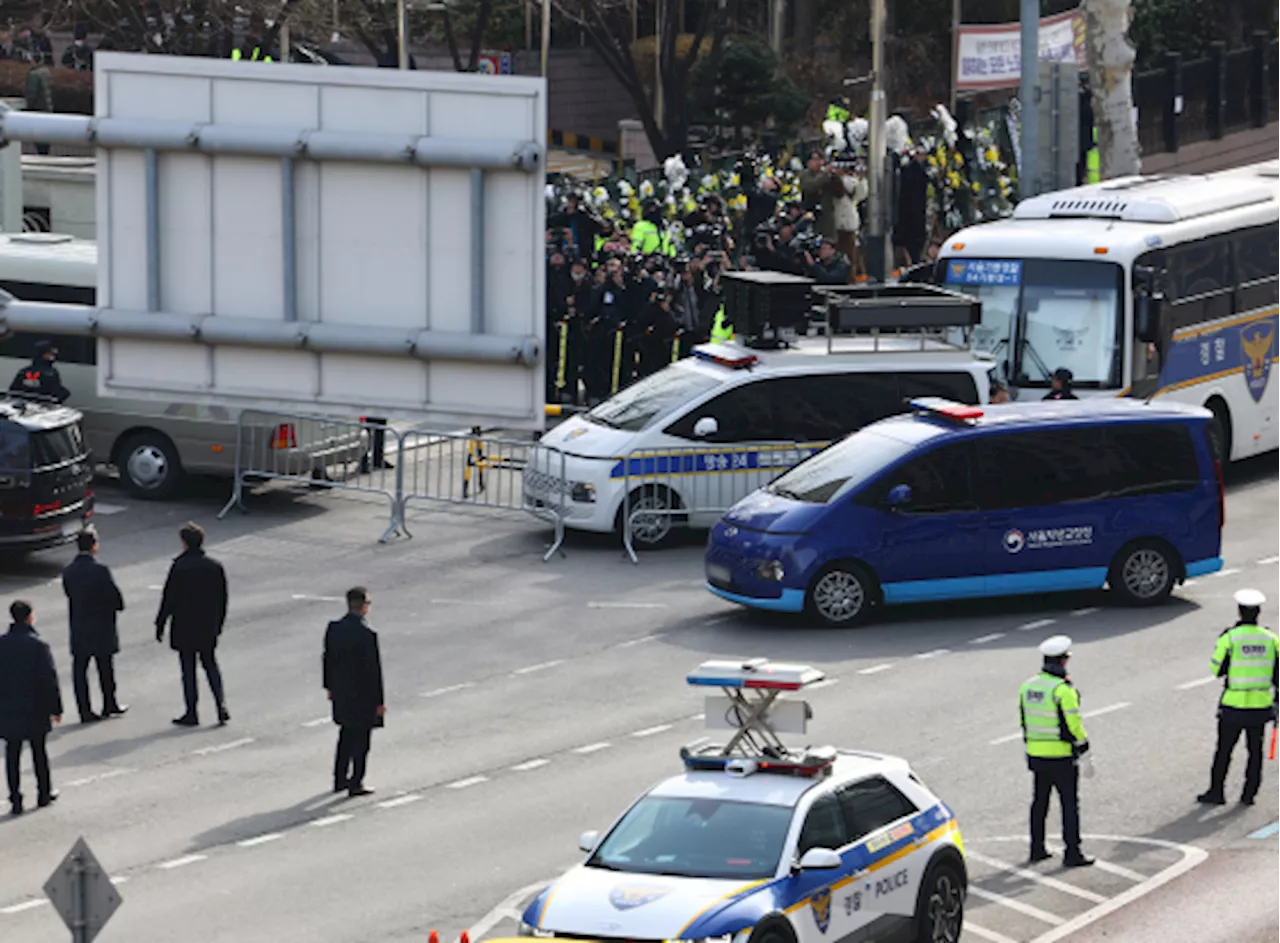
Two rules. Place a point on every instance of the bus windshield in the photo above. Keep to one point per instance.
(1062, 313)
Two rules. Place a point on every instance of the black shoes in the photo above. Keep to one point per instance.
(15, 808)
(116, 710)
(90, 718)
(341, 785)
(356, 791)
(47, 800)
(1211, 798)
(1039, 854)
(1246, 800)
(187, 720)
(1076, 859)
(223, 717)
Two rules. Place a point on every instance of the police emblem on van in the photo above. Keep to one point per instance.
(821, 904)
(630, 896)
(1255, 349)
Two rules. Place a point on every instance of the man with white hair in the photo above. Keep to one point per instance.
(1247, 657)
(1049, 711)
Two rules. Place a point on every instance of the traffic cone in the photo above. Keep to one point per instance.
(434, 937)
(464, 938)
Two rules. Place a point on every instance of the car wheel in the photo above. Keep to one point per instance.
(840, 595)
(1143, 573)
(651, 517)
(940, 911)
(149, 465)
(1220, 431)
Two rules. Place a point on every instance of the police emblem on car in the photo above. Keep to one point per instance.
(630, 896)
(821, 905)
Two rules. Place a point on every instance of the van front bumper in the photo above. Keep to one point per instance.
(791, 600)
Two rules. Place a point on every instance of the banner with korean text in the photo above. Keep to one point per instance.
(989, 56)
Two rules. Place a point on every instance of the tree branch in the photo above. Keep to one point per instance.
(451, 41)
(477, 33)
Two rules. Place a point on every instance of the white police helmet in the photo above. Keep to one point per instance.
(1250, 599)
(1056, 647)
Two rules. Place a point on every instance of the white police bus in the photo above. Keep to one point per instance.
(1141, 286)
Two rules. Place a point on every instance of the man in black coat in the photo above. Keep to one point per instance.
(40, 377)
(195, 598)
(93, 599)
(353, 677)
(29, 699)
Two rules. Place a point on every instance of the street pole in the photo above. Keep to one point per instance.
(777, 24)
(955, 51)
(657, 62)
(402, 39)
(284, 41)
(877, 248)
(1029, 97)
(546, 36)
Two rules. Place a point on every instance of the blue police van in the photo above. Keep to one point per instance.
(952, 501)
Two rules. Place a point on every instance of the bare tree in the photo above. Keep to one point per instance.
(1111, 79)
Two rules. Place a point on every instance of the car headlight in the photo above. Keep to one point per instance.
(771, 570)
(583, 492)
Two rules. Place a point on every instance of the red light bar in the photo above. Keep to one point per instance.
(772, 685)
(726, 355)
(937, 406)
(962, 412)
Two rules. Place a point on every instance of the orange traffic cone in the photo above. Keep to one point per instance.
(464, 938)
(434, 937)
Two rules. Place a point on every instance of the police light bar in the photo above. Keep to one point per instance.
(726, 355)
(757, 673)
(815, 762)
(946, 409)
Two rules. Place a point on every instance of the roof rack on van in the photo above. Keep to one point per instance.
(928, 314)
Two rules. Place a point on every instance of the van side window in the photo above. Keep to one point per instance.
(939, 482)
(1029, 469)
(1150, 458)
(957, 387)
(1200, 282)
(871, 804)
(22, 344)
(743, 414)
(826, 407)
(823, 826)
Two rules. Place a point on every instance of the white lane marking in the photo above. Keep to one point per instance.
(260, 840)
(592, 748)
(933, 654)
(469, 781)
(641, 640)
(650, 731)
(155, 586)
(1036, 876)
(108, 509)
(1019, 906)
(530, 764)
(449, 689)
(1267, 561)
(310, 598)
(697, 716)
(1188, 685)
(120, 879)
(331, 819)
(25, 905)
(98, 777)
(542, 666)
(181, 862)
(399, 801)
(983, 640)
(317, 722)
(875, 669)
(1010, 737)
(1120, 705)
(1230, 571)
(1038, 624)
(1086, 611)
(1188, 583)
(222, 747)
(464, 602)
(504, 909)
(626, 605)
(824, 683)
(990, 935)
(1116, 869)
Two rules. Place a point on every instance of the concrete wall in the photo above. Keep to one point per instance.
(1234, 150)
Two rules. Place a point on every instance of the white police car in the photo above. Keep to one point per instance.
(755, 843)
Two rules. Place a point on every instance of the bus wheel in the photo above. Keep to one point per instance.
(149, 465)
(1220, 430)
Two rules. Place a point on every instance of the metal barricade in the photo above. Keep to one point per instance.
(321, 452)
(695, 486)
(481, 471)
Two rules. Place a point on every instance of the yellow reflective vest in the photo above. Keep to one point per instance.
(1049, 710)
(255, 56)
(1249, 653)
(1093, 162)
(721, 331)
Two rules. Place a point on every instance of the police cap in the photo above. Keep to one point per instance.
(1063, 375)
(1056, 647)
(1250, 599)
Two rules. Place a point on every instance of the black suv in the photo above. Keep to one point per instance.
(46, 475)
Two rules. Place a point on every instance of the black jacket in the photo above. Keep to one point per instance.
(94, 599)
(41, 378)
(29, 693)
(352, 669)
(195, 597)
(1060, 394)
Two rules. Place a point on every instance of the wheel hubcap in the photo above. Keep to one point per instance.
(148, 466)
(651, 519)
(1145, 573)
(945, 911)
(839, 596)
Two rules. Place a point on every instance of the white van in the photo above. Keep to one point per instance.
(693, 439)
(152, 443)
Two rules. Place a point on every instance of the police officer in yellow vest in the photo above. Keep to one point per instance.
(1049, 710)
(838, 110)
(721, 329)
(1093, 161)
(256, 52)
(1247, 657)
(647, 238)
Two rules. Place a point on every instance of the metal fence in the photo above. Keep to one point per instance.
(461, 469)
(693, 487)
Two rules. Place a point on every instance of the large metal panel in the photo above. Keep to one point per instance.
(333, 208)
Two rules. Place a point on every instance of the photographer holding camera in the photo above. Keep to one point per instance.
(830, 267)
(776, 249)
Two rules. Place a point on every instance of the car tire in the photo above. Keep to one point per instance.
(841, 595)
(940, 906)
(655, 530)
(1143, 573)
(1220, 430)
(149, 466)
(772, 930)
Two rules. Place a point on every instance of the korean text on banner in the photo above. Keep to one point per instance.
(989, 57)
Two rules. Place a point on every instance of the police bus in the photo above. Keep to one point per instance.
(152, 443)
(1142, 286)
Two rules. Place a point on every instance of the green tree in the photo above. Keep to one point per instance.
(744, 87)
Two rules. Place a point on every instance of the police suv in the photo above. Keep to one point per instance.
(757, 843)
(685, 444)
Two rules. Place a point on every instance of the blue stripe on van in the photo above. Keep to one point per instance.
(1204, 567)
(1004, 584)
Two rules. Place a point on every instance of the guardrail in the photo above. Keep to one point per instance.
(694, 486)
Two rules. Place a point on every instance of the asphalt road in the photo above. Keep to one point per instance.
(529, 702)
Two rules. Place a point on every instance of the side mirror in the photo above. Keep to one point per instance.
(820, 859)
(587, 841)
(706, 426)
(1149, 317)
(898, 496)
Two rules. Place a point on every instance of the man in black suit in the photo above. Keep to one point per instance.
(29, 699)
(353, 678)
(195, 598)
(93, 599)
